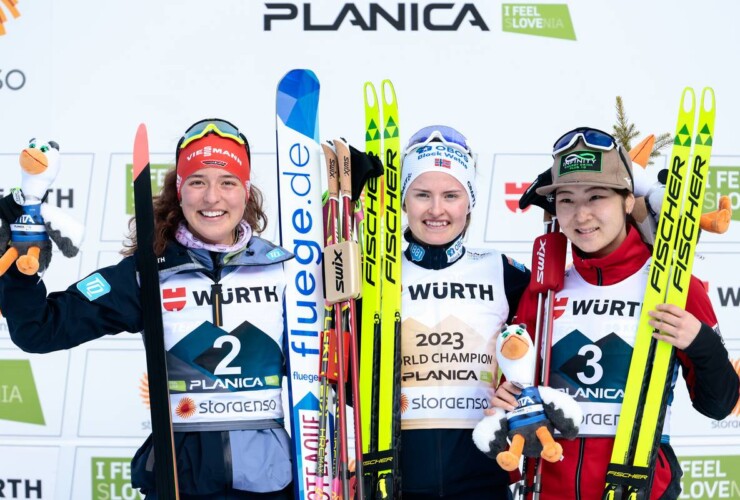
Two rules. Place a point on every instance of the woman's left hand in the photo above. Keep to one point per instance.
(676, 326)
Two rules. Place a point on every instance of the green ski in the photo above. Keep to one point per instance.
(630, 472)
(381, 323)
(370, 229)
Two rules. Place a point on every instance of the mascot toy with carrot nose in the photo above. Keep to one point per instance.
(541, 409)
(25, 239)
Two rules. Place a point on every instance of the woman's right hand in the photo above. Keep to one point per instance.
(504, 398)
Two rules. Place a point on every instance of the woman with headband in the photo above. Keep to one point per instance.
(592, 190)
(454, 301)
(224, 335)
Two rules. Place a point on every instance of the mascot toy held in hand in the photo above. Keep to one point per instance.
(650, 190)
(540, 410)
(26, 240)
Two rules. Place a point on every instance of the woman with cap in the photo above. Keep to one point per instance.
(454, 301)
(593, 335)
(222, 321)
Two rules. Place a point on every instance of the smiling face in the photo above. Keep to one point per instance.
(213, 202)
(593, 218)
(437, 208)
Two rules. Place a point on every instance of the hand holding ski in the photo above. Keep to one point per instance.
(648, 384)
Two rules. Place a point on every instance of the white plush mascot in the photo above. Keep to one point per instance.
(650, 191)
(27, 240)
(540, 409)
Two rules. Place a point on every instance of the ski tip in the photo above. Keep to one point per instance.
(371, 97)
(141, 150)
(707, 99)
(640, 154)
(688, 100)
(306, 76)
(389, 92)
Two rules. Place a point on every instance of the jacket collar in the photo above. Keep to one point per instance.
(258, 252)
(434, 256)
(625, 261)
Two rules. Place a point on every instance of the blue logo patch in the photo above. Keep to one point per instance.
(518, 265)
(274, 254)
(417, 252)
(455, 251)
(93, 287)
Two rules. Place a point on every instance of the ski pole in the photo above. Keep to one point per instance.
(548, 266)
(323, 401)
(352, 288)
(332, 239)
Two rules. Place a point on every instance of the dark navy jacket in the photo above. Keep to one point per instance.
(207, 462)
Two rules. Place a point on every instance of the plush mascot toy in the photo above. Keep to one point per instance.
(26, 241)
(530, 425)
(649, 192)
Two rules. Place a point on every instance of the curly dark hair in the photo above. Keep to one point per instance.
(168, 215)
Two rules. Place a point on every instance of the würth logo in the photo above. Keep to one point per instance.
(174, 299)
(10, 5)
(512, 192)
(729, 297)
(559, 307)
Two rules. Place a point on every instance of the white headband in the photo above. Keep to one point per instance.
(438, 157)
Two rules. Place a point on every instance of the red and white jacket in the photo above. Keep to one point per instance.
(712, 382)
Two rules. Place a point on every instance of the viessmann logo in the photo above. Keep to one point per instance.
(10, 6)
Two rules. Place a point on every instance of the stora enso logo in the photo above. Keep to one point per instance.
(10, 6)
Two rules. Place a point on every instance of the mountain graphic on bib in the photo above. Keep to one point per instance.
(591, 371)
(244, 359)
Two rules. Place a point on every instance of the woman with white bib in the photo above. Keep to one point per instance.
(454, 301)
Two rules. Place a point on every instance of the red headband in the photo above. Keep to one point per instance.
(214, 151)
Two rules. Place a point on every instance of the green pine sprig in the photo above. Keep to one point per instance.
(625, 132)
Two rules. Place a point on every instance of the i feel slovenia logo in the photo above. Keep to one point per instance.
(158, 172)
(548, 20)
(19, 399)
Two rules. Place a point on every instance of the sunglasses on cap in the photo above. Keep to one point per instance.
(202, 128)
(446, 135)
(594, 139)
